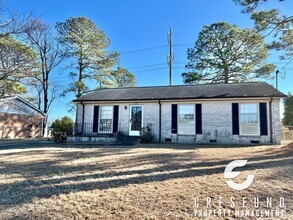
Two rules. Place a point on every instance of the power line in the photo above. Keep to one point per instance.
(144, 30)
(146, 66)
(140, 37)
(159, 68)
(189, 33)
(152, 28)
(290, 60)
(147, 70)
(183, 45)
(154, 48)
(280, 62)
(144, 49)
(181, 62)
(283, 72)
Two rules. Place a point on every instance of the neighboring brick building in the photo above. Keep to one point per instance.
(240, 113)
(19, 119)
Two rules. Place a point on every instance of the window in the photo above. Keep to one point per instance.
(106, 119)
(186, 122)
(249, 119)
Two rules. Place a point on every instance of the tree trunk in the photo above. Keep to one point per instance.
(226, 75)
(39, 100)
(46, 100)
(79, 78)
(45, 88)
(78, 88)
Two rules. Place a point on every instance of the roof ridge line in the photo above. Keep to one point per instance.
(207, 84)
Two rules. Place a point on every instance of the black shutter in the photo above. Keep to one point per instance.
(235, 118)
(263, 118)
(96, 119)
(198, 123)
(116, 118)
(174, 119)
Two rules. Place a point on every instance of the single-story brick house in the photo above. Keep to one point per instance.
(19, 119)
(238, 113)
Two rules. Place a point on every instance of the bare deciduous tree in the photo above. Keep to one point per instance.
(13, 23)
(17, 59)
(47, 49)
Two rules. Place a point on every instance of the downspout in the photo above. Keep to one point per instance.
(160, 121)
(82, 118)
(42, 127)
(271, 120)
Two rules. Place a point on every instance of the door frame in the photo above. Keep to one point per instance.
(135, 133)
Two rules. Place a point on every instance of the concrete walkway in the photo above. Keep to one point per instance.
(25, 143)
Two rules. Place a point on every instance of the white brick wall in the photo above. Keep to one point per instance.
(150, 116)
(276, 122)
(216, 122)
(124, 118)
(89, 113)
(78, 113)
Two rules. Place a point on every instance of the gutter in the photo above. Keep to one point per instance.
(271, 120)
(42, 131)
(178, 99)
(160, 121)
(44, 128)
(28, 104)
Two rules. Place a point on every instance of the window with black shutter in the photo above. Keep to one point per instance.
(174, 122)
(198, 123)
(235, 118)
(116, 118)
(263, 119)
(96, 119)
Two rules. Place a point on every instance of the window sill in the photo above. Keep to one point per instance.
(249, 136)
(186, 134)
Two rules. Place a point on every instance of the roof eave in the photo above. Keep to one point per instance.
(154, 99)
(30, 105)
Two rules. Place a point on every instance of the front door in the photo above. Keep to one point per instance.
(135, 120)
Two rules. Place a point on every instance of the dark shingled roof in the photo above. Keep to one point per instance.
(207, 91)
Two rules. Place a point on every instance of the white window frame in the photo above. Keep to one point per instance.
(133, 132)
(178, 123)
(258, 120)
(100, 118)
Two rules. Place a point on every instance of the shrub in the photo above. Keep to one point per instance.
(288, 114)
(146, 135)
(61, 128)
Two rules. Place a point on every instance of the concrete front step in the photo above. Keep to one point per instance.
(128, 139)
(119, 139)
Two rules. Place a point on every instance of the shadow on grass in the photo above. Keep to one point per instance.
(40, 143)
(104, 174)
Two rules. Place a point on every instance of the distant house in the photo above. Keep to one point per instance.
(240, 113)
(19, 119)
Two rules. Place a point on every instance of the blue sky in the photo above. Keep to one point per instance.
(138, 30)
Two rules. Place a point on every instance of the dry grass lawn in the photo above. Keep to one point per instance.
(136, 182)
